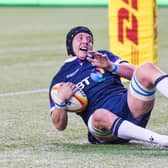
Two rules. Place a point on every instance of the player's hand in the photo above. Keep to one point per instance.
(100, 60)
(66, 91)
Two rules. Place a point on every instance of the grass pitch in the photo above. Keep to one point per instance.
(32, 48)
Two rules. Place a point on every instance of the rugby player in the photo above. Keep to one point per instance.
(114, 114)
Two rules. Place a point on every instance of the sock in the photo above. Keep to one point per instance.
(129, 131)
(162, 85)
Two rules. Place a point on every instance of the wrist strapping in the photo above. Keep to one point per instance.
(60, 105)
(115, 68)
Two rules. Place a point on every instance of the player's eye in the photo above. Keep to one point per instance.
(80, 38)
(89, 39)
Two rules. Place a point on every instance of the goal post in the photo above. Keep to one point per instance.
(133, 30)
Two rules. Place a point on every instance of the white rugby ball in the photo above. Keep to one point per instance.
(77, 103)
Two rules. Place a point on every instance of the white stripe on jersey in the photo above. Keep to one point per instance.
(70, 59)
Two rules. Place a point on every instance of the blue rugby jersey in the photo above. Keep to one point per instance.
(95, 82)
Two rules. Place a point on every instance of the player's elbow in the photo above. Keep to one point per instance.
(59, 125)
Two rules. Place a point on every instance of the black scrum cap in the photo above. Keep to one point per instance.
(72, 33)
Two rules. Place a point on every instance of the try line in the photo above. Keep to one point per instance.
(23, 92)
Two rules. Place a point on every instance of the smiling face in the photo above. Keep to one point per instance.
(81, 44)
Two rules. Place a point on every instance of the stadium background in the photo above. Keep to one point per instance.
(65, 2)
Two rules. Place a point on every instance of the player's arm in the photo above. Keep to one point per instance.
(59, 118)
(59, 115)
(124, 69)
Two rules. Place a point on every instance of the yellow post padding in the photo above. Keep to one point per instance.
(133, 30)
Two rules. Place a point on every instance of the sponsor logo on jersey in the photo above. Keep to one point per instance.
(97, 75)
(83, 83)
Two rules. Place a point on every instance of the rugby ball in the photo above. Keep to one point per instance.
(77, 103)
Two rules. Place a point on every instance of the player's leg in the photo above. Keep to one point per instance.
(104, 124)
(100, 124)
(107, 127)
(141, 95)
(144, 83)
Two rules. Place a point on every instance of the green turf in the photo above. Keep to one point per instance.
(32, 48)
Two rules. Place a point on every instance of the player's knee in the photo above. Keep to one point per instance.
(136, 115)
(147, 67)
(144, 74)
(100, 124)
(103, 119)
(97, 118)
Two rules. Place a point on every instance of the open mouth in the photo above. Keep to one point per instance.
(84, 49)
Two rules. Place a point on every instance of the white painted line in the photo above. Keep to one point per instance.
(24, 92)
(42, 48)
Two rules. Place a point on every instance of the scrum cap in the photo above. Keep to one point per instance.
(72, 33)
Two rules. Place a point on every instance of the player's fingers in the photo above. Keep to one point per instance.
(95, 54)
(75, 90)
(90, 59)
(69, 83)
(61, 84)
(72, 86)
(100, 55)
(66, 85)
(91, 52)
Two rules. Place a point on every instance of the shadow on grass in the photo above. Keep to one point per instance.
(133, 148)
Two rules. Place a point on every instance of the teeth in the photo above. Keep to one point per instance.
(83, 49)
